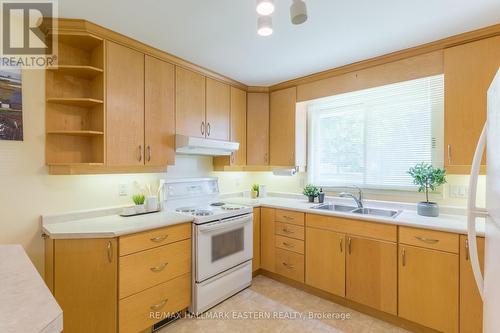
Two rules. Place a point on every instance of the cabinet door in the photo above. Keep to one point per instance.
(371, 273)
(85, 284)
(256, 239)
(257, 129)
(469, 70)
(471, 305)
(325, 260)
(267, 243)
(124, 106)
(189, 103)
(239, 125)
(428, 288)
(282, 127)
(159, 112)
(218, 110)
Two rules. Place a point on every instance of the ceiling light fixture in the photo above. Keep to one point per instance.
(298, 12)
(265, 26)
(265, 7)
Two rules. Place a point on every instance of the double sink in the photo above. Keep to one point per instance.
(355, 210)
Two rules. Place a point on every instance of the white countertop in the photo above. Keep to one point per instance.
(26, 304)
(106, 223)
(444, 222)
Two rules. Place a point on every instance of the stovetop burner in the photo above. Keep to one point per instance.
(217, 204)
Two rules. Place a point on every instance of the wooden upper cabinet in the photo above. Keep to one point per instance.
(189, 103)
(282, 127)
(325, 260)
(257, 129)
(469, 70)
(218, 110)
(371, 273)
(471, 305)
(428, 288)
(124, 106)
(239, 125)
(159, 135)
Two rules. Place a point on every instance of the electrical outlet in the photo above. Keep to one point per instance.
(122, 190)
(458, 191)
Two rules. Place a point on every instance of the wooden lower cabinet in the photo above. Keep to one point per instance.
(325, 260)
(256, 239)
(267, 239)
(471, 305)
(428, 287)
(371, 273)
(290, 264)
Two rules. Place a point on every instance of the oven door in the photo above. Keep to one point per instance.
(222, 245)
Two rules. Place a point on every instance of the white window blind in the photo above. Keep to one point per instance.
(371, 137)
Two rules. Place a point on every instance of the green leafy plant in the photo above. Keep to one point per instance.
(427, 177)
(138, 199)
(255, 187)
(311, 191)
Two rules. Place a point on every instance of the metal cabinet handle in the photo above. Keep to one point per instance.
(159, 305)
(149, 153)
(288, 244)
(140, 153)
(265, 157)
(427, 240)
(232, 157)
(286, 231)
(449, 154)
(159, 268)
(158, 239)
(403, 257)
(341, 245)
(289, 266)
(289, 218)
(467, 249)
(208, 129)
(110, 252)
(202, 128)
(349, 245)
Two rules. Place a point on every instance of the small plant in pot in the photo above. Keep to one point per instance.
(139, 202)
(311, 192)
(427, 178)
(254, 193)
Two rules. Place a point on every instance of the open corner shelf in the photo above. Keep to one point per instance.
(83, 71)
(77, 133)
(76, 101)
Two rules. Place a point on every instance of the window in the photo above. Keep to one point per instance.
(371, 137)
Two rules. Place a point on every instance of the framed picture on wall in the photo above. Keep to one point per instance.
(11, 106)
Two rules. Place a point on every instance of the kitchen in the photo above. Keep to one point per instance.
(133, 120)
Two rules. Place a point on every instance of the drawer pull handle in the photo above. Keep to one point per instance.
(286, 231)
(158, 239)
(159, 305)
(288, 244)
(427, 240)
(159, 268)
(289, 266)
(341, 246)
(289, 218)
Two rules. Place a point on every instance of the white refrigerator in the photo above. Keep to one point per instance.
(489, 286)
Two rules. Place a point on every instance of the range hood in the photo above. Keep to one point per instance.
(191, 145)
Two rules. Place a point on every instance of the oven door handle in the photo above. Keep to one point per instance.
(224, 224)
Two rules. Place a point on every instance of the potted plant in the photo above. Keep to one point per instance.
(139, 202)
(254, 193)
(311, 192)
(427, 178)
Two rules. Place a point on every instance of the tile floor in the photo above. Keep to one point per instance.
(267, 297)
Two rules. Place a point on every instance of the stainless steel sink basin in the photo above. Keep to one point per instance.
(376, 212)
(354, 210)
(336, 208)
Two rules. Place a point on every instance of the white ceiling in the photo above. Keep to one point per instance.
(221, 34)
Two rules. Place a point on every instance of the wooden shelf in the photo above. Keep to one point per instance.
(83, 40)
(77, 133)
(87, 72)
(83, 102)
(75, 164)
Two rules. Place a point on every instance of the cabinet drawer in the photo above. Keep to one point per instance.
(289, 244)
(431, 239)
(289, 230)
(153, 238)
(145, 269)
(289, 216)
(290, 265)
(137, 312)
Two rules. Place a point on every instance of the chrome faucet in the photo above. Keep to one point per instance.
(359, 199)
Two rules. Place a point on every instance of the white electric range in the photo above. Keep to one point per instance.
(222, 240)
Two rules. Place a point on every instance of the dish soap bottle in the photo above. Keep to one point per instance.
(321, 196)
